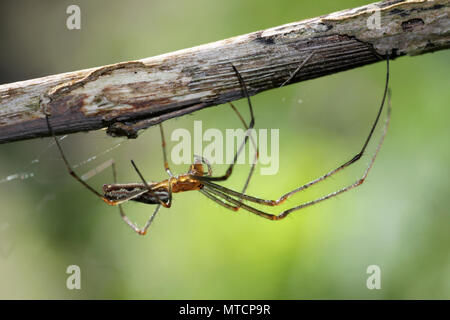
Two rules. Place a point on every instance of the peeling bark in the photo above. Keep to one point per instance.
(129, 96)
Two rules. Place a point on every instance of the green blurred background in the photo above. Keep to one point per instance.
(399, 219)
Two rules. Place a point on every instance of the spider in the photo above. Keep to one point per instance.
(160, 193)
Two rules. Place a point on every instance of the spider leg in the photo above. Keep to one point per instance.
(218, 195)
(251, 124)
(325, 176)
(163, 143)
(167, 204)
(164, 204)
(248, 135)
(124, 217)
(252, 168)
(72, 172)
(226, 194)
(143, 231)
(203, 160)
(166, 166)
(248, 132)
(214, 198)
(241, 147)
(255, 146)
(111, 163)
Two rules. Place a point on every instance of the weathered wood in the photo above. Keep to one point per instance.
(129, 96)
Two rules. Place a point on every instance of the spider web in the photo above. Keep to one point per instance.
(38, 170)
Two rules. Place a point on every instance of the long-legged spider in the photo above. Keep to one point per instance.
(160, 193)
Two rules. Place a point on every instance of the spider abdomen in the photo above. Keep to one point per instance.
(135, 192)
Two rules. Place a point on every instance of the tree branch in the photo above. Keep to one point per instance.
(130, 96)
